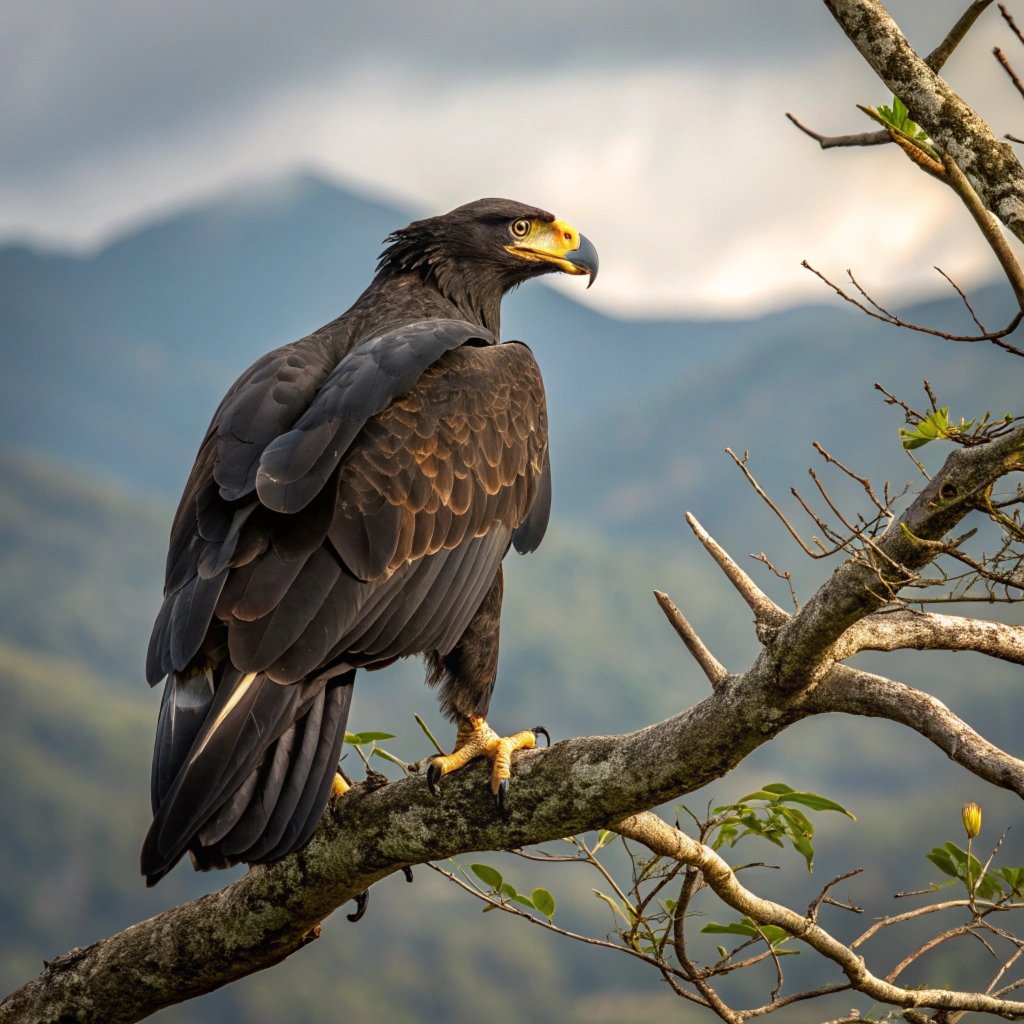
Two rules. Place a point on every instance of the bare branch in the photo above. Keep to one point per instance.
(1001, 57)
(996, 337)
(852, 691)
(764, 608)
(1008, 18)
(953, 125)
(901, 629)
(713, 668)
(838, 141)
(938, 57)
(988, 226)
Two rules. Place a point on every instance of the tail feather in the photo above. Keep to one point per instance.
(255, 743)
(276, 817)
(317, 790)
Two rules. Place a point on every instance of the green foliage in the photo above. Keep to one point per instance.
(898, 118)
(769, 814)
(963, 866)
(935, 426)
(749, 929)
(357, 739)
(625, 911)
(540, 899)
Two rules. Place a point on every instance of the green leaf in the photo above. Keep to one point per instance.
(943, 861)
(381, 752)
(747, 928)
(544, 902)
(604, 837)
(804, 847)
(488, 875)
(359, 738)
(743, 928)
(508, 890)
(1014, 878)
(615, 905)
(779, 787)
(958, 856)
(816, 803)
(521, 897)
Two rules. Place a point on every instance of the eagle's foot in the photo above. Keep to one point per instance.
(475, 739)
(340, 787)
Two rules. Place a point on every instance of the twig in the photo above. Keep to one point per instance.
(1008, 18)
(654, 833)
(787, 576)
(938, 57)
(963, 298)
(895, 321)
(991, 232)
(1001, 57)
(815, 905)
(836, 141)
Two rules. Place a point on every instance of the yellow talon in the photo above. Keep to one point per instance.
(339, 787)
(475, 738)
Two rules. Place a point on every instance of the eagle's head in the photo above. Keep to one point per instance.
(487, 247)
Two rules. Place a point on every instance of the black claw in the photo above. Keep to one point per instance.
(407, 871)
(501, 795)
(362, 902)
(433, 776)
(539, 730)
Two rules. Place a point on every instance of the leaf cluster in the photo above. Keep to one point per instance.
(898, 118)
(540, 899)
(769, 814)
(962, 865)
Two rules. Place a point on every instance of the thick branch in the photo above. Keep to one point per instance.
(902, 629)
(990, 163)
(854, 692)
(654, 833)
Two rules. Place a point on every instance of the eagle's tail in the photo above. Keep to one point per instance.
(242, 767)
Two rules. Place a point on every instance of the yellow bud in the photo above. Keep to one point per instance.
(971, 816)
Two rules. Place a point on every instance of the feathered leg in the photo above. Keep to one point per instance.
(466, 675)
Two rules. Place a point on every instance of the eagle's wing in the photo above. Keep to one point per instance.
(273, 442)
(439, 439)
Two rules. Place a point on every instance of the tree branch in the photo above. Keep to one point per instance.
(989, 163)
(900, 629)
(936, 59)
(662, 839)
(854, 692)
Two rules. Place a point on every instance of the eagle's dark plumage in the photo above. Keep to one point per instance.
(350, 504)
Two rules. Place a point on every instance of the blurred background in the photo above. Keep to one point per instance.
(184, 186)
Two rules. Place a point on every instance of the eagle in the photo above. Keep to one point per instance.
(350, 504)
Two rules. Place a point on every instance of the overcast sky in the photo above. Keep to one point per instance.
(655, 127)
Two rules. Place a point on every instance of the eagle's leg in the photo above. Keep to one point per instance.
(466, 675)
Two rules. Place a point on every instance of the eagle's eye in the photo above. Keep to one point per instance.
(521, 227)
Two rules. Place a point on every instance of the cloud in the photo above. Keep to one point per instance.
(701, 197)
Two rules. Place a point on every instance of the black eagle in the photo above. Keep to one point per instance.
(350, 505)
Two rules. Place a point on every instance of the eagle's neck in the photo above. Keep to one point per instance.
(446, 284)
